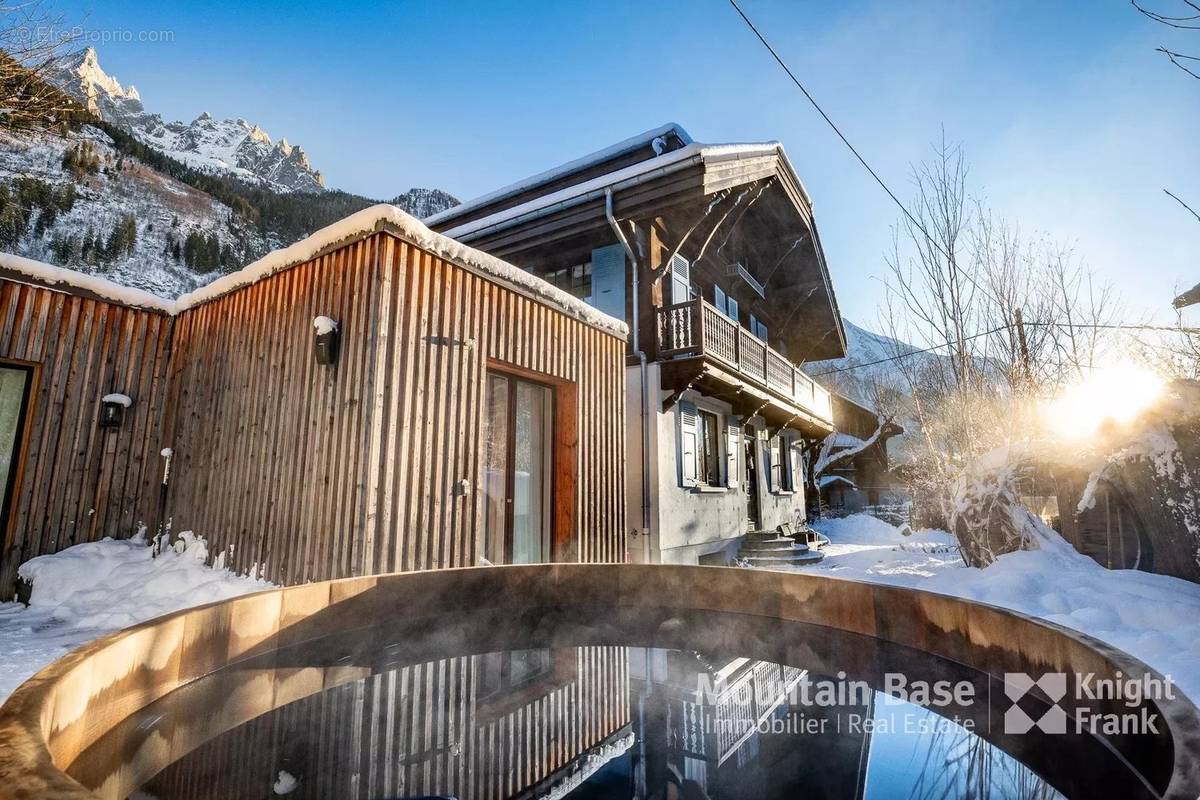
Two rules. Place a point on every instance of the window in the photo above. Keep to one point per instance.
(700, 449)
(506, 671)
(724, 303)
(681, 280)
(757, 328)
(575, 280)
(14, 401)
(517, 455)
(781, 467)
(788, 477)
(776, 463)
(709, 468)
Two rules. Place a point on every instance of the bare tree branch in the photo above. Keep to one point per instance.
(1190, 22)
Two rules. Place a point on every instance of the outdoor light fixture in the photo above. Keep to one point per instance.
(326, 343)
(112, 409)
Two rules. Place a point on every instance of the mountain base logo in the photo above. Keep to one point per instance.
(1116, 705)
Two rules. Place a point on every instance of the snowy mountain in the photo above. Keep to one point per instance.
(76, 201)
(858, 375)
(164, 207)
(231, 146)
(423, 203)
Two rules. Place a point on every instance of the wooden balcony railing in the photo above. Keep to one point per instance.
(697, 328)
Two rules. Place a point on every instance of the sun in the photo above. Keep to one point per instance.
(1113, 394)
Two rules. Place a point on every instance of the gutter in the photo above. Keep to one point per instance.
(644, 416)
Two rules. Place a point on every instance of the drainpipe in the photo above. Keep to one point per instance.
(641, 356)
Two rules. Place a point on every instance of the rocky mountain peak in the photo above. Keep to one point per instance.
(232, 146)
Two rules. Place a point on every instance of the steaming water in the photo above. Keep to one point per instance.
(571, 711)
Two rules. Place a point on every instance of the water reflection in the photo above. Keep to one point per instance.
(588, 722)
(437, 709)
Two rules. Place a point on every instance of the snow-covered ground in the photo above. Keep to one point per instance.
(92, 589)
(1152, 617)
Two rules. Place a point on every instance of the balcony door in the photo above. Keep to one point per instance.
(518, 470)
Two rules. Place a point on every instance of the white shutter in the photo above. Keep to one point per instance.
(689, 443)
(719, 298)
(733, 450)
(731, 307)
(681, 279)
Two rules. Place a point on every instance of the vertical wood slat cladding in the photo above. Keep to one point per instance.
(78, 482)
(319, 472)
(413, 731)
(310, 472)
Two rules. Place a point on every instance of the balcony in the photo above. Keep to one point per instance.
(696, 329)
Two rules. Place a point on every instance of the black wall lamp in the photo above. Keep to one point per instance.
(325, 345)
(112, 409)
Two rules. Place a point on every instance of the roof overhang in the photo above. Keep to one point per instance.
(691, 175)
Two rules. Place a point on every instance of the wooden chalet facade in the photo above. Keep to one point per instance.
(401, 454)
(711, 253)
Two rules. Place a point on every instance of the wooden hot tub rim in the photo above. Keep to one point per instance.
(55, 715)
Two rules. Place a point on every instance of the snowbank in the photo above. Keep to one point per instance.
(91, 589)
(1155, 618)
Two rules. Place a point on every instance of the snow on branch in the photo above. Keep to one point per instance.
(828, 457)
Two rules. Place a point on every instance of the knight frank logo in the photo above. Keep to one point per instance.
(1018, 685)
(1116, 704)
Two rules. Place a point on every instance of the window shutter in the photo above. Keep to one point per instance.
(681, 279)
(754, 324)
(608, 280)
(689, 443)
(719, 298)
(731, 306)
(733, 450)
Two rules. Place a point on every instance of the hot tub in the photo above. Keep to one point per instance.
(590, 681)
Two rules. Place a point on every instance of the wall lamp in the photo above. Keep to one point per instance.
(325, 346)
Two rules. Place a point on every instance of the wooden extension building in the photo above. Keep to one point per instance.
(374, 398)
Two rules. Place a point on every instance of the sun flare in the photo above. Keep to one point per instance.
(1112, 394)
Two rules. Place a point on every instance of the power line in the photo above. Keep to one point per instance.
(965, 273)
(1008, 326)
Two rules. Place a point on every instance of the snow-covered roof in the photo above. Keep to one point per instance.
(841, 439)
(50, 275)
(1189, 298)
(826, 480)
(667, 163)
(369, 220)
(612, 151)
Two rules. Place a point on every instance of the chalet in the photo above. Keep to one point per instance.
(851, 472)
(374, 398)
(712, 255)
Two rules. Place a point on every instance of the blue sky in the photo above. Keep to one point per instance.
(1072, 123)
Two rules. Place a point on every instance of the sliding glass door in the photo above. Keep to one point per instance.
(14, 400)
(517, 463)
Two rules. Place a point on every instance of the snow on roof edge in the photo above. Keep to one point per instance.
(369, 220)
(53, 276)
(664, 162)
(566, 168)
